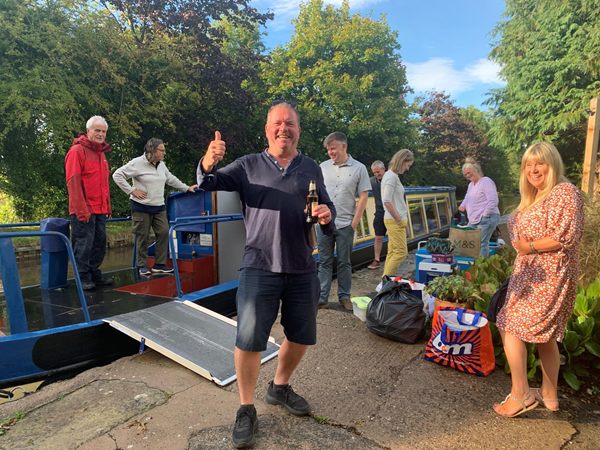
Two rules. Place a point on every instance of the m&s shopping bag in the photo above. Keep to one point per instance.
(461, 339)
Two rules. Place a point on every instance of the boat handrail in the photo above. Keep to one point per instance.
(187, 221)
(10, 277)
(195, 220)
(37, 224)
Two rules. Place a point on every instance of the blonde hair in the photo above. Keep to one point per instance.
(545, 153)
(470, 163)
(398, 160)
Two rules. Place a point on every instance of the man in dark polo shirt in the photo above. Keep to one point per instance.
(378, 169)
(277, 264)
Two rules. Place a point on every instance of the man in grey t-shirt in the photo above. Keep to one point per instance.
(378, 169)
(345, 178)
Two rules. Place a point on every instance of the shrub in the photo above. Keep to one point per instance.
(589, 253)
(580, 348)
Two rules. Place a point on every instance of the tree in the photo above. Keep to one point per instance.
(152, 68)
(346, 74)
(548, 52)
(448, 135)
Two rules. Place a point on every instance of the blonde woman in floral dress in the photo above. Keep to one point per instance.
(546, 230)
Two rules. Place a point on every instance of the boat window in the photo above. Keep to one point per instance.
(365, 225)
(417, 217)
(442, 204)
(433, 222)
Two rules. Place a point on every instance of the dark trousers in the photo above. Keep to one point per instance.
(89, 245)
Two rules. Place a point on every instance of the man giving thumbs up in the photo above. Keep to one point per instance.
(277, 264)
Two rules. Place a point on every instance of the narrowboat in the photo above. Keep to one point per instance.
(55, 329)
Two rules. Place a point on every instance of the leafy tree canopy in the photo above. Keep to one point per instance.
(548, 52)
(346, 74)
(152, 68)
(448, 135)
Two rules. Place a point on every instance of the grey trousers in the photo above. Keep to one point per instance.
(141, 227)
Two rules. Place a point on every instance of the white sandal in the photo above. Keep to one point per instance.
(524, 408)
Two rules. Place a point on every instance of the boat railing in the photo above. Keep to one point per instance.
(187, 221)
(11, 283)
(37, 224)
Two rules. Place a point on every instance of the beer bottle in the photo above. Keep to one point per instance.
(312, 200)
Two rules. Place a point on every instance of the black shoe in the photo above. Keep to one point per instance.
(246, 424)
(286, 397)
(104, 282)
(88, 285)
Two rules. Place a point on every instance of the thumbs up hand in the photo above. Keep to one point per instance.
(214, 154)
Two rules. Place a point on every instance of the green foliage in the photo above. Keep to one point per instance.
(10, 421)
(322, 420)
(152, 69)
(580, 348)
(346, 74)
(447, 135)
(452, 288)
(589, 251)
(548, 54)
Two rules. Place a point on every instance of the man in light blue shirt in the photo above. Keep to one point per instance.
(345, 178)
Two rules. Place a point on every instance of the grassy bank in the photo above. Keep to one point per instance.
(117, 235)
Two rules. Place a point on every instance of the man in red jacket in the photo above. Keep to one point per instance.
(89, 200)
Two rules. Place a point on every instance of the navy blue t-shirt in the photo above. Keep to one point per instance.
(273, 202)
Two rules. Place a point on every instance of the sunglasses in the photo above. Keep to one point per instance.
(279, 102)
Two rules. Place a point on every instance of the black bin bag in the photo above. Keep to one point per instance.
(396, 314)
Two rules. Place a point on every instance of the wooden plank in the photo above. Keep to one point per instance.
(591, 148)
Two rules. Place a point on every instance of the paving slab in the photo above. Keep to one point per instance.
(276, 433)
(366, 392)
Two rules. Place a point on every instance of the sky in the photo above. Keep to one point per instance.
(445, 44)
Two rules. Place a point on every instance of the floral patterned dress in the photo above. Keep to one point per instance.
(543, 287)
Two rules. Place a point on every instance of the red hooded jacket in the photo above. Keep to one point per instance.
(87, 178)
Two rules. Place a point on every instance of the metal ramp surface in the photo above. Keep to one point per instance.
(193, 336)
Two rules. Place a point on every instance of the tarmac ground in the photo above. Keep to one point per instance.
(366, 392)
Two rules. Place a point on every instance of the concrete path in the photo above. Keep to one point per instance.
(366, 392)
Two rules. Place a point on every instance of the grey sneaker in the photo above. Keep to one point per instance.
(145, 271)
(286, 397)
(246, 424)
(88, 285)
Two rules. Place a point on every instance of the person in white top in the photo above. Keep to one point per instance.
(147, 200)
(396, 213)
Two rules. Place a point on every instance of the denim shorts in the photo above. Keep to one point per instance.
(257, 301)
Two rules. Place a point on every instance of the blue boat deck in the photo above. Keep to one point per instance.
(52, 308)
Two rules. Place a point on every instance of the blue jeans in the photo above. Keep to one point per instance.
(344, 239)
(257, 301)
(487, 225)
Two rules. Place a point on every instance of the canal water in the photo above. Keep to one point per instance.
(122, 257)
(116, 258)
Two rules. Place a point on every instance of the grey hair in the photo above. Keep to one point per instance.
(285, 105)
(335, 136)
(470, 163)
(151, 148)
(92, 120)
(379, 164)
